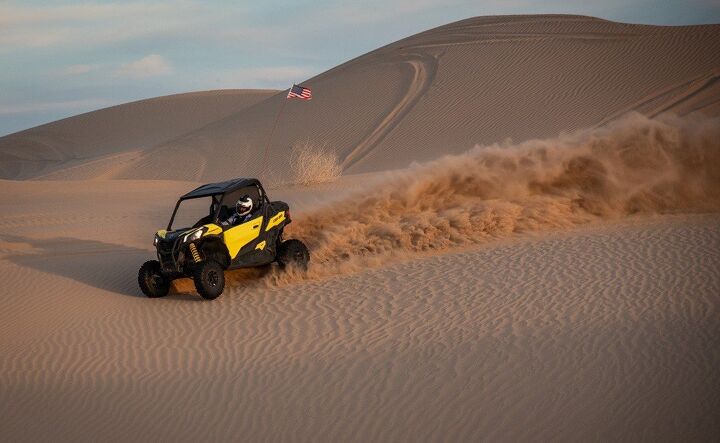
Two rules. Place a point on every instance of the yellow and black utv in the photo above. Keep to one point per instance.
(206, 236)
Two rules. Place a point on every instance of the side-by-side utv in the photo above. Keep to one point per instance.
(212, 245)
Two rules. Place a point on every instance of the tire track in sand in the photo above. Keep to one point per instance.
(668, 98)
(423, 69)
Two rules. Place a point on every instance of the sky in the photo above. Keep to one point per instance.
(62, 58)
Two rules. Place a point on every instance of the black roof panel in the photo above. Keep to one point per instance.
(221, 187)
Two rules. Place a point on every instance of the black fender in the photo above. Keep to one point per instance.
(213, 248)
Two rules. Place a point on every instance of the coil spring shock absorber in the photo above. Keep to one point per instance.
(195, 253)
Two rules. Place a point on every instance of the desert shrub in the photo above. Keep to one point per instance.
(312, 163)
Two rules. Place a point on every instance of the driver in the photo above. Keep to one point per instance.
(243, 212)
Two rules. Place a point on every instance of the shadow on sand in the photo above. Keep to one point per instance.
(105, 266)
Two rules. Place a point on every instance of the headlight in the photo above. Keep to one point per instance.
(155, 240)
(194, 235)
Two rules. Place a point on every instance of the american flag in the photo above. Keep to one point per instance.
(300, 92)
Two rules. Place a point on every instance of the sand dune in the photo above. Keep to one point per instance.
(561, 286)
(99, 140)
(607, 331)
(602, 333)
(478, 81)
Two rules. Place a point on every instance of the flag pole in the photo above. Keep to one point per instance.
(272, 131)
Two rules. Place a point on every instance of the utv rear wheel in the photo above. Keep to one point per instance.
(209, 279)
(152, 281)
(293, 252)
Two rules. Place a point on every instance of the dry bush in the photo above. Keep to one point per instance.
(311, 163)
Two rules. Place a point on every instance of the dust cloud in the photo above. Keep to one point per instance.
(633, 166)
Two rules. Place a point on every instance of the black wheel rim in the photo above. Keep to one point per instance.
(213, 278)
(156, 281)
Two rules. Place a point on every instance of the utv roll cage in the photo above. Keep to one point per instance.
(218, 191)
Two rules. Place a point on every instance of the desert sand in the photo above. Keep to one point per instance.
(115, 135)
(524, 245)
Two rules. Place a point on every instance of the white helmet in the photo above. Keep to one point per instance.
(244, 205)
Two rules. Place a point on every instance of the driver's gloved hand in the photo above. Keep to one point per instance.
(232, 220)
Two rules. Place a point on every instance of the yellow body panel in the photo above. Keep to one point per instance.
(212, 229)
(161, 233)
(261, 245)
(239, 236)
(276, 220)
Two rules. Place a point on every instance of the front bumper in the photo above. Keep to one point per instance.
(170, 255)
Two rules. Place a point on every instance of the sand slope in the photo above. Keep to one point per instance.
(102, 139)
(603, 333)
(476, 81)
(564, 288)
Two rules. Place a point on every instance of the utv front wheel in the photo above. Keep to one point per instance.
(293, 252)
(152, 281)
(209, 279)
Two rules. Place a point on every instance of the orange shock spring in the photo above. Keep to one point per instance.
(195, 253)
